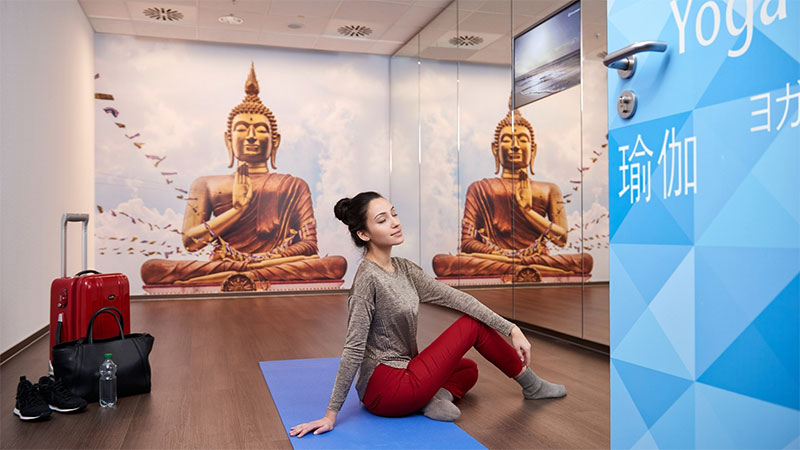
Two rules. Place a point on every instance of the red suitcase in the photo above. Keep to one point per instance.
(73, 300)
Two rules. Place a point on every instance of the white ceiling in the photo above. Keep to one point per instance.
(314, 24)
(494, 21)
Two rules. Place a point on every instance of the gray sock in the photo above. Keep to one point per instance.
(444, 394)
(534, 387)
(441, 407)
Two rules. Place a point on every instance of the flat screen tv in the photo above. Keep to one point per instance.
(547, 56)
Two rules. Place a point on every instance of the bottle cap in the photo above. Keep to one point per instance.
(107, 356)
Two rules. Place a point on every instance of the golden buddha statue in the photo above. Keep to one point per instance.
(260, 223)
(508, 221)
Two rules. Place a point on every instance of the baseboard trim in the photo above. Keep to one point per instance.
(233, 295)
(580, 342)
(27, 342)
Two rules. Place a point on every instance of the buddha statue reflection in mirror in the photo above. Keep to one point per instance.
(260, 223)
(509, 221)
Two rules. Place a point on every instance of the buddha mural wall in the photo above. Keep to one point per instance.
(501, 197)
(510, 221)
(260, 224)
(198, 187)
(217, 167)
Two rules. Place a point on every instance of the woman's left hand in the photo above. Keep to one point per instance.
(317, 427)
(521, 345)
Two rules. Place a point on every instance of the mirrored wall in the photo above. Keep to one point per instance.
(505, 197)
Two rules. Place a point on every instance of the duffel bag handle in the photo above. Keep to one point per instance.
(86, 272)
(108, 310)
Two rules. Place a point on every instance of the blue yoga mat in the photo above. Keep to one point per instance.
(301, 389)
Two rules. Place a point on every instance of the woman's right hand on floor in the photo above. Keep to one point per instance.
(318, 426)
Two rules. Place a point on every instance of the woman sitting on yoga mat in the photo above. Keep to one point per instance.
(394, 379)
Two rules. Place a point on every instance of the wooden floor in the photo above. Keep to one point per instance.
(208, 391)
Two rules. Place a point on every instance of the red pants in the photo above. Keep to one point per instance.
(398, 392)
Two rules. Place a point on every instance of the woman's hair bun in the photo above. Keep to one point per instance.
(353, 212)
(341, 209)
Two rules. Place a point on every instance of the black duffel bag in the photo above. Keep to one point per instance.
(78, 362)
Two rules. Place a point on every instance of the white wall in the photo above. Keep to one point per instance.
(47, 143)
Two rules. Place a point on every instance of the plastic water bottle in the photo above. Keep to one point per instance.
(108, 382)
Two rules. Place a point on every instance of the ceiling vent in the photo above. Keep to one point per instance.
(468, 40)
(163, 14)
(355, 31)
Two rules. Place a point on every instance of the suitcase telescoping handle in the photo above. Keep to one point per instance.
(73, 217)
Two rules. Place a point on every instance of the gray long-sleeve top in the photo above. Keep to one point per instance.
(382, 323)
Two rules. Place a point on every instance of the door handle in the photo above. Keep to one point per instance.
(624, 59)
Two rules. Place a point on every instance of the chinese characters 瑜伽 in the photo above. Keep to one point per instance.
(636, 173)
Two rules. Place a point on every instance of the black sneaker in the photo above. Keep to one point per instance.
(59, 397)
(30, 405)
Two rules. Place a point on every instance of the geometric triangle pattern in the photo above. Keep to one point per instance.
(650, 270)
(728, 420)
(723, 171)
(661, 355)
(629, 304)
(626, 421)
(646, 442)
(773, 161)
(636, 185)
(725, 306)
(705, 230)
(673, 308)
(679, 416)
(764, 357)
(783, 227)
(640, 382)
(734, 70)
